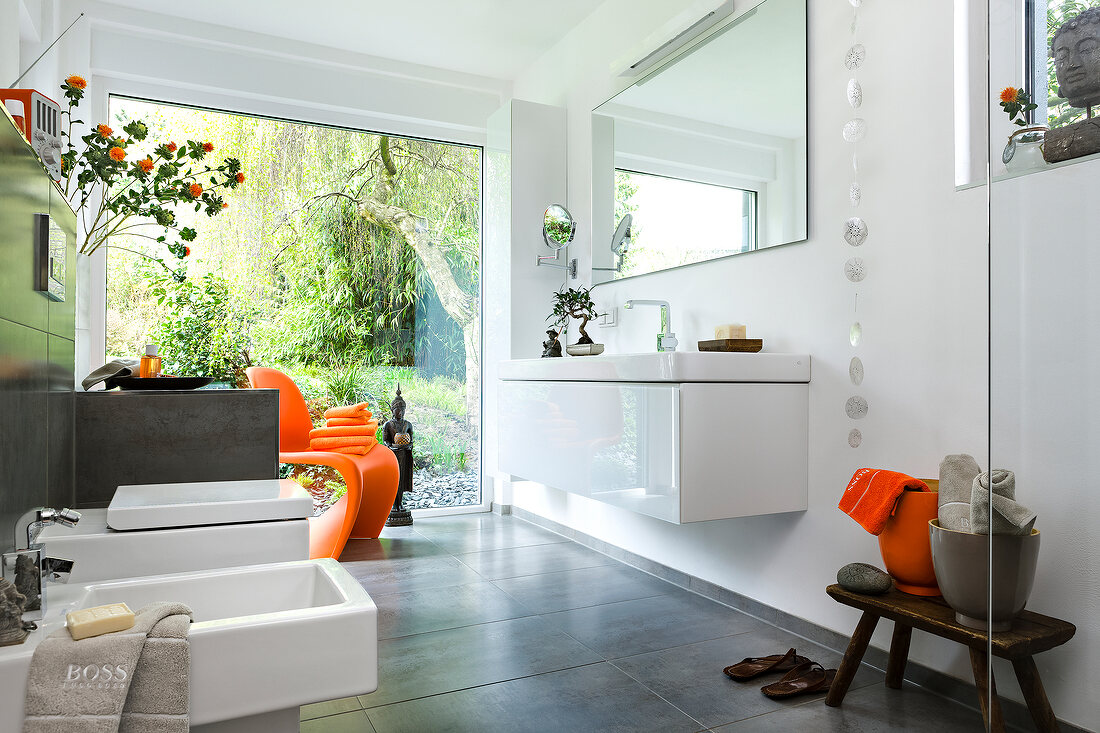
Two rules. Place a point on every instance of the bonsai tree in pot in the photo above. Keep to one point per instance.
(574, 303)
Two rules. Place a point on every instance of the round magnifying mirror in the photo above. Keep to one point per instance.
(620, 241)
(558, 227)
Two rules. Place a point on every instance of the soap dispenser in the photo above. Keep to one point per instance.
(150, 363)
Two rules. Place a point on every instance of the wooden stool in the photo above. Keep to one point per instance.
(1031, 633)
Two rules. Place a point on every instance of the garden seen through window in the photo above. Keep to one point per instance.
(311, 270)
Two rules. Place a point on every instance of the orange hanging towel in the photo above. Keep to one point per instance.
(367, 430)
(359, 411)
(872, 494)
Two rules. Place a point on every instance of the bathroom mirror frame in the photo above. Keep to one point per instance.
(601, 154)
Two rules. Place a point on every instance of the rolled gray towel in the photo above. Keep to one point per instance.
(957, 474)
(109, 371)
(1009, 517)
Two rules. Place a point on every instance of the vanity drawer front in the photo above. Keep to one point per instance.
(617, 443)
(744, 450)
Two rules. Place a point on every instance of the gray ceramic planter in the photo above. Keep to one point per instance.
(961, 561)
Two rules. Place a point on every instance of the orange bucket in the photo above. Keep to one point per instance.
(905, 544)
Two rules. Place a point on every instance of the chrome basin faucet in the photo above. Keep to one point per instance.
(28, 568)
(666, 339)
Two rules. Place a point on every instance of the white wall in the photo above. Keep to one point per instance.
(922, 307)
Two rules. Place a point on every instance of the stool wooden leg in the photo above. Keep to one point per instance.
(1037, 703)
(987, 692)
(899, 655)
(852, 658)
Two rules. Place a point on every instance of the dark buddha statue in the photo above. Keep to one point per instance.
(397, 434)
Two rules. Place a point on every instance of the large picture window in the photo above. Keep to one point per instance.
(1042, 18)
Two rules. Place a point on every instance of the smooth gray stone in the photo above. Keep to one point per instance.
(859, 577)
(593, 698)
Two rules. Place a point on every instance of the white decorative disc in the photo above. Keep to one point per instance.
(855, 231)
(855, 57)
(855, 270)
(855, 437)
(855, 371)
(855, 334)
(856, 407)
(856, 3)
(855, 94)
(855, 130)
(855, 193)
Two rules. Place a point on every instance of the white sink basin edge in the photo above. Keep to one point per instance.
(265, 637)
(670, 366)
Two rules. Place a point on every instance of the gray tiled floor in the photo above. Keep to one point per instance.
(491, 624)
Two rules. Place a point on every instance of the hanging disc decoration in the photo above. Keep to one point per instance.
(855, 231)
(855, 57)
(855, 437)
(856, 407)
(855, 270)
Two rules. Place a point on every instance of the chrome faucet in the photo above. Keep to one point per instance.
(666, 339)
(27, 567)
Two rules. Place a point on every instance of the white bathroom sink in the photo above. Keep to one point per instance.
(674, 366)
(265, 638)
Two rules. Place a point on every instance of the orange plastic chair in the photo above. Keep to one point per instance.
(371, 479)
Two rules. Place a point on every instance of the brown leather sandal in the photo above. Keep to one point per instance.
(802, 680)
(751, 667)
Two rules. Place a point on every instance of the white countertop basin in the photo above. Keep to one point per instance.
(154, 506)
(265, 637)
(674, 366)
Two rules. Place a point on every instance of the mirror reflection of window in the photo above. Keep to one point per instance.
(679, 222)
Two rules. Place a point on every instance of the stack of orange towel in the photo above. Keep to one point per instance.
(347, 429)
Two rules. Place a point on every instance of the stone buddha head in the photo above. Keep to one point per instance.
(1075, 49)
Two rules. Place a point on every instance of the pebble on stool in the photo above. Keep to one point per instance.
(859, 577)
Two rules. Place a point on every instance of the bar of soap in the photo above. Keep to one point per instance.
(100, 620)
(730, 331)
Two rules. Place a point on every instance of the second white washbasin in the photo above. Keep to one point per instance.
(265, 638)
(669, 366)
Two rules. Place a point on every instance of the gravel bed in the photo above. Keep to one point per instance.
(451, 489)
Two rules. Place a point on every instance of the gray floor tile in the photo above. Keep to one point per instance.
(434, 609)
(532, 560)
(417, 573)
(429, 526)
(495, 537)
(871, 709)
(714, 699)
(593, 698)
(648, 624)
(445, 661)
(569, 589)
(391, 548)
(356, 722)
(331, 707)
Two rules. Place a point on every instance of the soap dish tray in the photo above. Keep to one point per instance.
(744, 345)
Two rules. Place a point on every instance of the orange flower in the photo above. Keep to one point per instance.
(76, 82)
(208, 147)
(116, 153)
(171, 146)
(195, 190)
(1009, 94)
(240, 178)
(225, 205)
(104, 131)
(146, 165)
(186, 251)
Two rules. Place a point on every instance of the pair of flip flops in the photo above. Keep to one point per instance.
(803, 676)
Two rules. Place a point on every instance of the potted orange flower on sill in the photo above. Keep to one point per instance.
(114, 189)
(1024, 150)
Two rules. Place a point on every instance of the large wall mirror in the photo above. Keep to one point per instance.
(707, 153)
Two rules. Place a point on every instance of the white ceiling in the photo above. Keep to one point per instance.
(494, 38)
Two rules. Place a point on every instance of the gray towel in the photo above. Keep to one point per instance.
(110, 371)
(957, 474)
(130, 681)
(1009, 517)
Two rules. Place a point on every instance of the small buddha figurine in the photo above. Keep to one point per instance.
(551, 347)
(12, 604)
(1075, 49)
(397, 434)
(27, 575)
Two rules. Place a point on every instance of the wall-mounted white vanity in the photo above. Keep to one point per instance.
(680, 436)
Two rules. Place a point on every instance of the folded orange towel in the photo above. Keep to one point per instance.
(367, 430)
(354, 450)
(336, 422)
(872, 494)
(359, 410)
(340, 442)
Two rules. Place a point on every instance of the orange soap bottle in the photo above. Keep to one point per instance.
(150, 363)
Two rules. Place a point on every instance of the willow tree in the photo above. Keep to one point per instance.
(428, 195)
